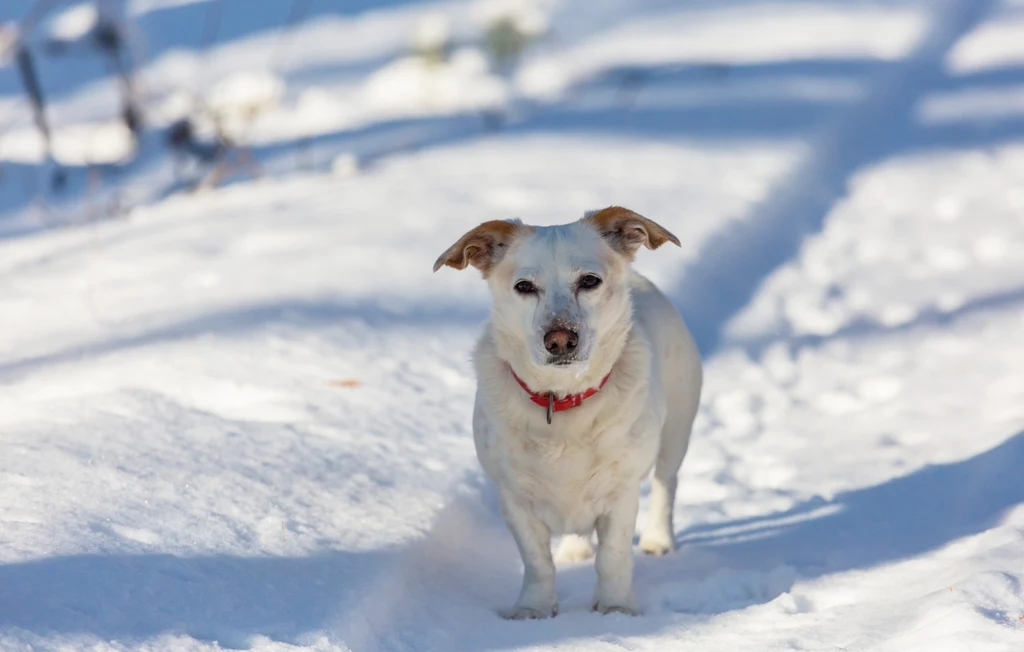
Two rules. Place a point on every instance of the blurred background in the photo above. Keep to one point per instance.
(113, 103)
(235, 405)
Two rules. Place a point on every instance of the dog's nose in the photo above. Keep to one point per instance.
(561, 341)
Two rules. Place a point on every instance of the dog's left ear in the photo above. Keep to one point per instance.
(483, 247)
(625, 231)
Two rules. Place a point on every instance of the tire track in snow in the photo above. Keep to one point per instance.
(734, 262)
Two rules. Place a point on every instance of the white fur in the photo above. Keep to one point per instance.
(582, 472)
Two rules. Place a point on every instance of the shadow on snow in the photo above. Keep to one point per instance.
(232, 599)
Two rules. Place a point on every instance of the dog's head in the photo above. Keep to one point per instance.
(559, 290)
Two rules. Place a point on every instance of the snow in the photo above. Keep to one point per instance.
(74, 23)
(412, 86)
(994, 44)
(240, 418)
(81, 144)
(244, 94)
(706, 34)
(432, 31)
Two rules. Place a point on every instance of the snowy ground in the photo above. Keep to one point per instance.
(241, 419)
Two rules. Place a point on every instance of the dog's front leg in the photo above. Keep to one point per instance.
(615, 556)
(538, 598)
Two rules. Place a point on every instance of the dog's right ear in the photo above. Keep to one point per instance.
(483, 247)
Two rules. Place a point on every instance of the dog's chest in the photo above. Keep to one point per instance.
(569, 482)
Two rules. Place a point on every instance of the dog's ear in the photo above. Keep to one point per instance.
(625, 230)
(483, 247)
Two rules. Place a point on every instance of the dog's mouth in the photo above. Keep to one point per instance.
(563, 360)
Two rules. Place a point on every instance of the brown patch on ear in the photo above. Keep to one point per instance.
(482, 247)
(625, 230)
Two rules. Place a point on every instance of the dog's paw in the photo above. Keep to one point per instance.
(574, 548)
(606, 607)
(529, 612)
(656, 545)
(607, 601)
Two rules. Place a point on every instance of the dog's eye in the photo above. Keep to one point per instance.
(525, 287)
(589, 282)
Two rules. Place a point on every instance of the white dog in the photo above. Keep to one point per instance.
(587, 379)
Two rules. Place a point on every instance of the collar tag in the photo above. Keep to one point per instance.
(548, 401)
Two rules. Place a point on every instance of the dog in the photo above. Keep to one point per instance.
(587, 379)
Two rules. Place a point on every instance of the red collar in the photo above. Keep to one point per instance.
(548, 400)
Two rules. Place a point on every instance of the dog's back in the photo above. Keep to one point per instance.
(674, 346)
(681, 378)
